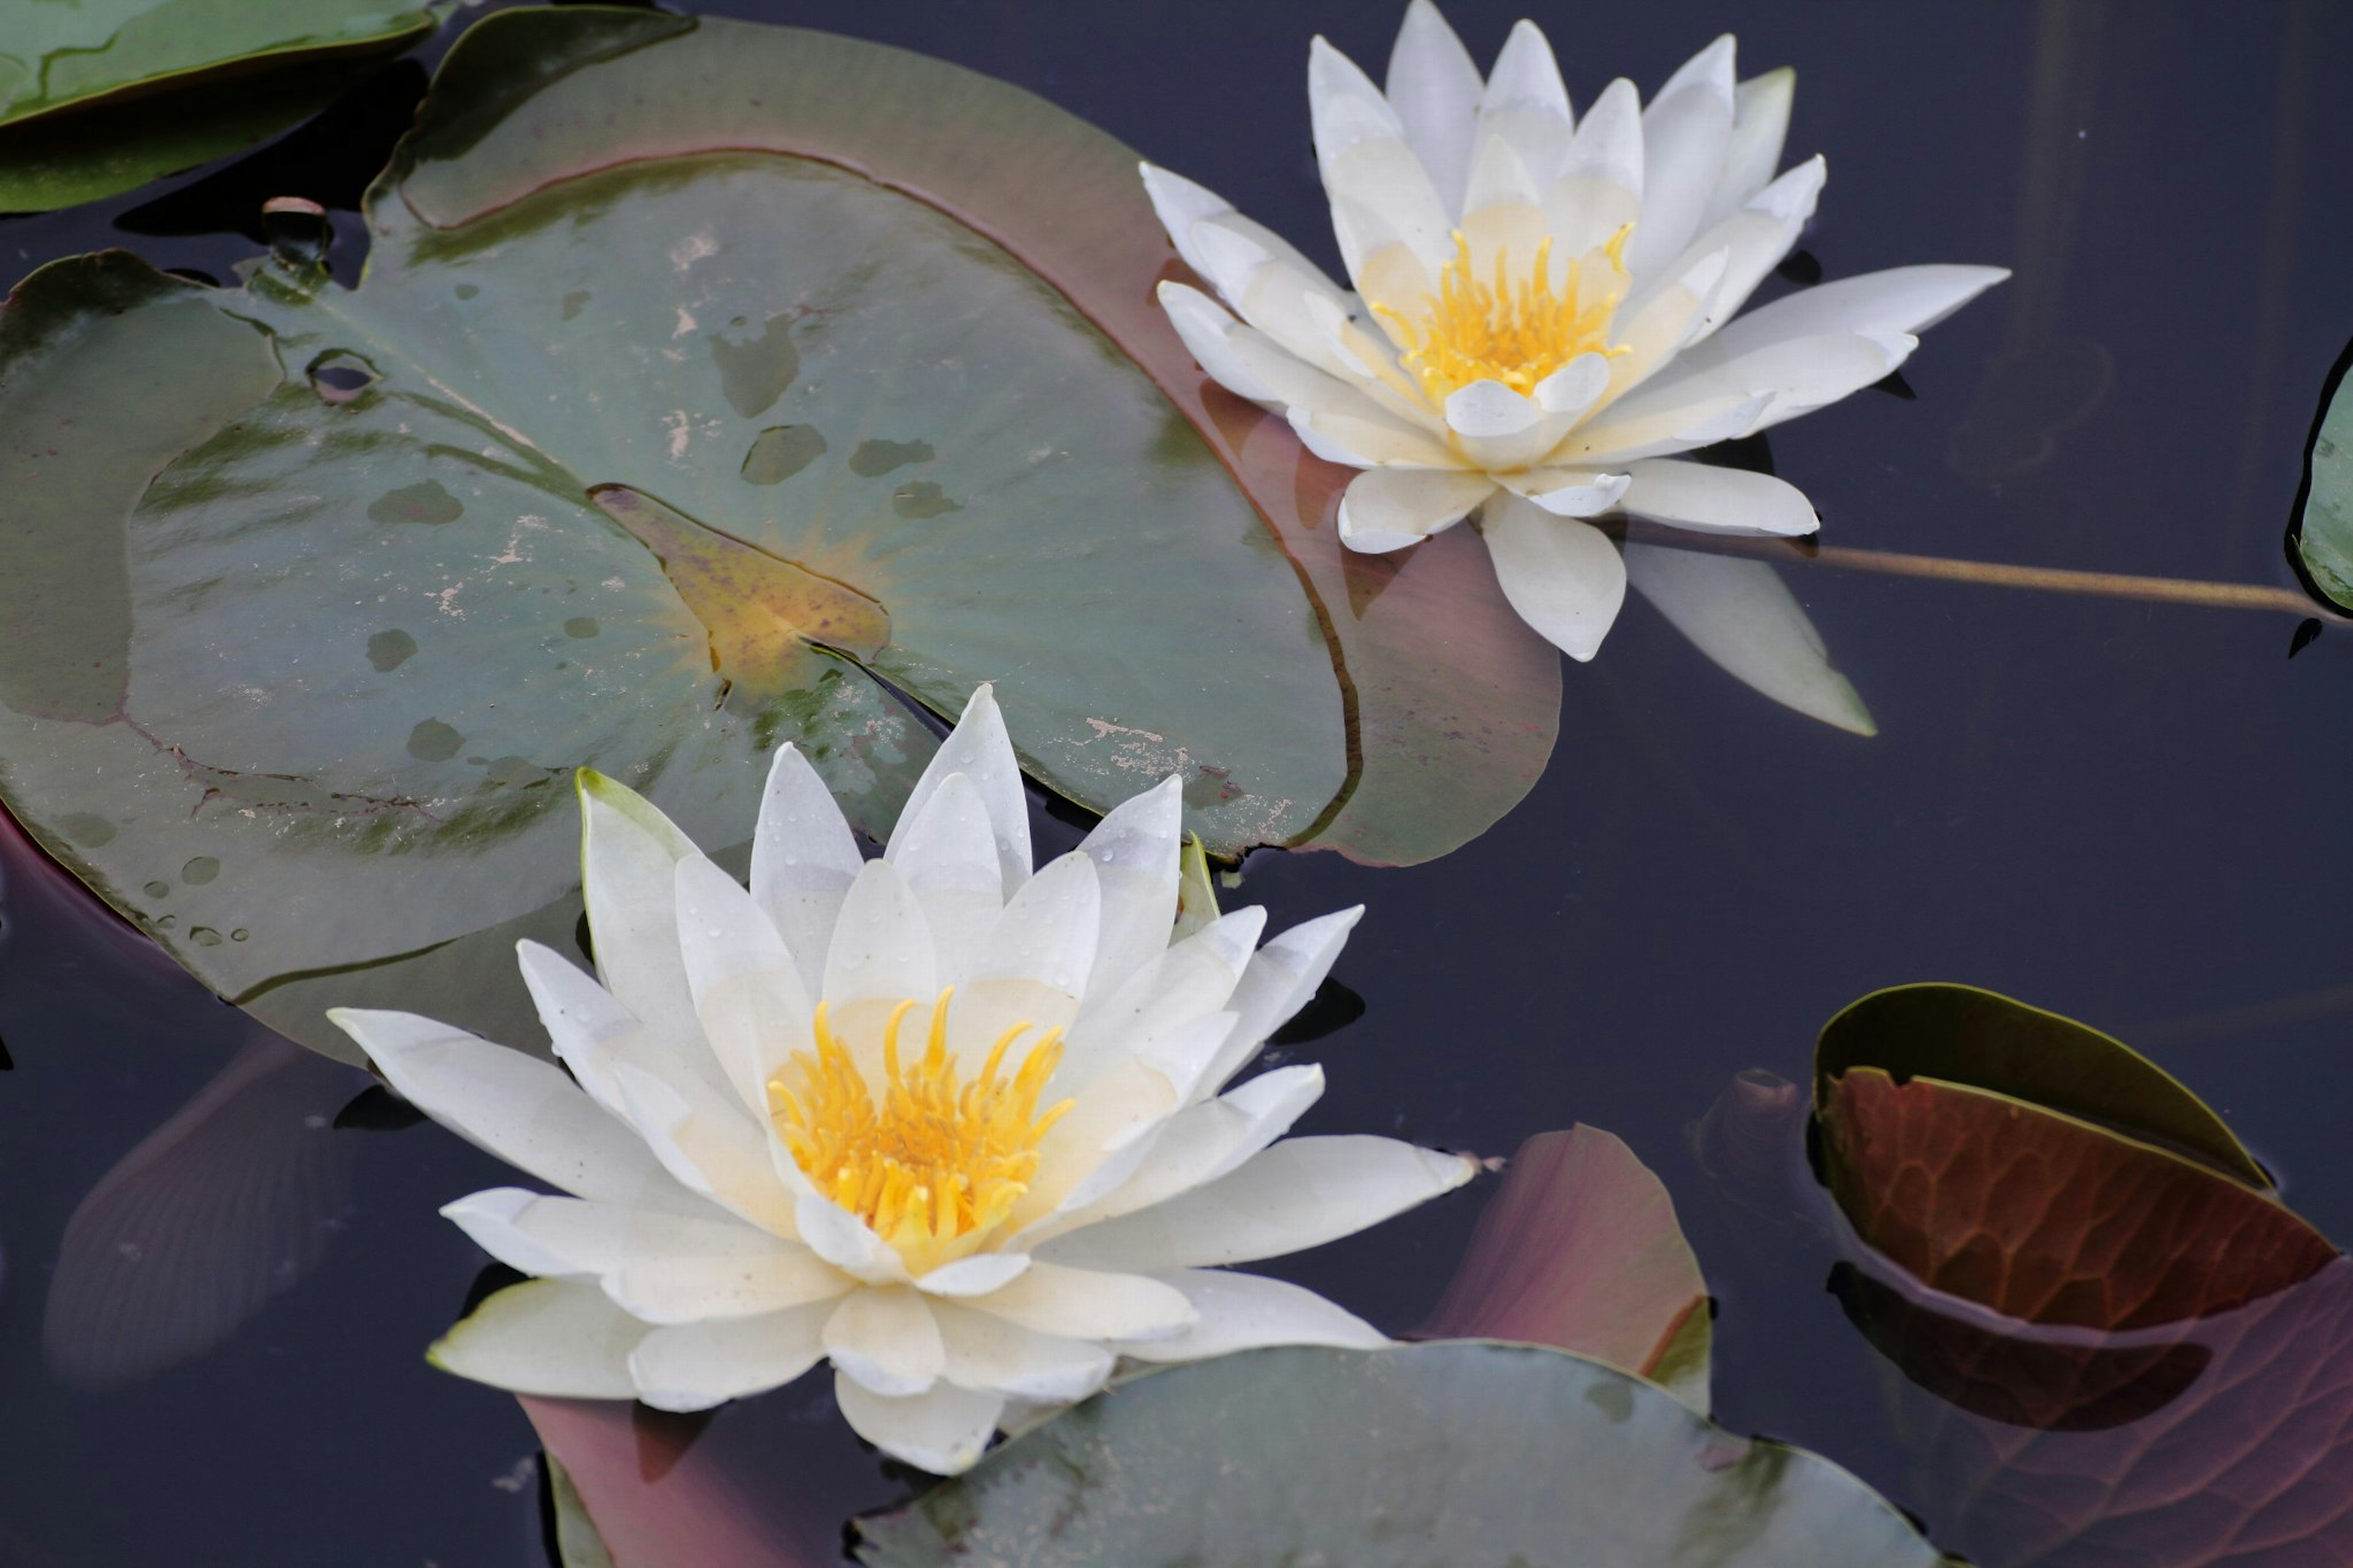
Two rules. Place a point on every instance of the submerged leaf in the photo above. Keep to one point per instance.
(1580, 1250)
(2320, 535)
(99, 96)
(1454, 1453)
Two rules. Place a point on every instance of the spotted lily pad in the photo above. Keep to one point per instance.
(99, 96)
(1459, 1452)
(702, 373)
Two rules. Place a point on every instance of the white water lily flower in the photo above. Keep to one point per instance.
(962, 1130)
(1544, 308)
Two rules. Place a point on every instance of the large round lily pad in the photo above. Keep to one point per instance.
(701, 373)
(1467, 1452)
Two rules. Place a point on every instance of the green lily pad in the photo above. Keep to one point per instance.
(1962, 1035)
(100, 96)
(666, 420)
(1465, 1452)
(2322, 534)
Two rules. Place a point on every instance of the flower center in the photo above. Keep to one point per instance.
(1517, 331)
(933, 1164)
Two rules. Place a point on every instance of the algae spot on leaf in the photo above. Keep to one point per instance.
(779, 452)
(755, 370)
(427, 501)
(433, 741)
(873, 459)
(922, 499)
(199, 871)
(388, 650)
(581, 626)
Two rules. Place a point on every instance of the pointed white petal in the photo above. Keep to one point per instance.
(1796, 376)
(694, 1366)
(1525, 106)
(1136, 849)
(1710, 500)
(1902, 299)
(882, 948)
(1760, 125)
(948, 856)
(1434, 90)
(1243, 1311)
(1180, 203)
(978, 1275)
(1359, 440)
(1742, 615)
(943, 1431)
(979, 748)
(1282, 977)
(1607, 147)
(1368, 166)
(553, 1237)
(1570, 492)
(1389, 509)
(1752, 241)
(1049, 930)
(1088, 1304)
(803, 858)
(1297, 1195)
(1489, 408)
(1563, 576)
(885, 1338)
(705, 1139)
(559, 1338)
(989, 1355)
(747, 991)
(1686, 131)
(628, 853)
(846, 1242)
(521, 1109)
(1614, 440)
(759, 1276)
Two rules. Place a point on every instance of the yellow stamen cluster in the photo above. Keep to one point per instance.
(1515, 333)
(937, 1166)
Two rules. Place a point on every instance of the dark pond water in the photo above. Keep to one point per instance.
(2123, 811)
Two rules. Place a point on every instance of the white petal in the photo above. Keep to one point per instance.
(558, 1338)
(978, 1275)
(988, 1354)
(1136, 849)
(1202, 1143)
(1207, 329)
(1684, 133)
(1097, 1145)
(1360, 440)
(1902, 299)
(1298, 1194)
(694, 1366)
(1711, 500)
(1489, 408)
(1180, 203)
(1282, 977)
(1753, 241)
(1049, 930)
(1607, 147)
(803, 858)
(1525, 104)
(1760, 125)
(582, 1018)
(757, 1277)
(948, 856)
(846, 1242)
(979, 748)
(705, 1139)
(882, 948)
(628, 851)
(1243, 1311)
(1612, 439)
(1797, 375)
(943, 1431)
(747, 991)
(521, 1109)
(551, 1236)
(1087, 1304)
(1434, 90)
(1575, 387)
(1571, 492)
(1563, 576)
(885, 1338)
(1742, 615)
(1389, 509)
(1190, 980)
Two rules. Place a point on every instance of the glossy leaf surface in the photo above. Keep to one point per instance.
(99, 96)
(679, 400)
(1464, 1452)
(1579, 1249)
(2021, 1201)
(2322, 531)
